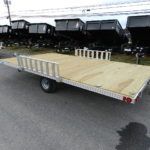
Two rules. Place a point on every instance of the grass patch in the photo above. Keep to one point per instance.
(33, 51)
(25, 51)
(130, 59)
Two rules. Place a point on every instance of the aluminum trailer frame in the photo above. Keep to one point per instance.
(50, 70)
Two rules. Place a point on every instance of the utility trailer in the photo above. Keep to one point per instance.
(5, 34)
(105, 34)
(88, 69)
(70, 33)
(139, 28)
(20, 30)
(40, 33)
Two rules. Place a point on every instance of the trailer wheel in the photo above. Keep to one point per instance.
(48, 85)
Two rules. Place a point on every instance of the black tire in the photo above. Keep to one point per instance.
(48, 85)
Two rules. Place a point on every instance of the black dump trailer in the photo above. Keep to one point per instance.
(70, 34)
(139, 28)
(41, 34)
(5, 34)
(20, 29)
(105, 34)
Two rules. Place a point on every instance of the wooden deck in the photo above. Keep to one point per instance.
(122, 78)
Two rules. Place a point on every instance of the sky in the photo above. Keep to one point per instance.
(19, 7)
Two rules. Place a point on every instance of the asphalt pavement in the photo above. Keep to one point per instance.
(70, 119)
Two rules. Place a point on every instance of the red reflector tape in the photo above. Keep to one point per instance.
(127, 99)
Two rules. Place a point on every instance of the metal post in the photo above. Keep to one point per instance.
(7, 3)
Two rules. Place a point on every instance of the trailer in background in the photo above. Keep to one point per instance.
(41, 34)
(70, 34)
(5, 34)
(19, 31)
(105, 34)
(139, 28)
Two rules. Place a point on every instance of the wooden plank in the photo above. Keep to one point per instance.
(118, 77)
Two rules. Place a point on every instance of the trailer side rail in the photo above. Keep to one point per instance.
(40, 67)
(93, 54)
(98, 90)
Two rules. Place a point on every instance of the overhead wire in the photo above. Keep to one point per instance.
(90, 14)
(109, 5)
(135, 12)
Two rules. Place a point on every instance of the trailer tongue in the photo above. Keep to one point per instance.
(89, 70)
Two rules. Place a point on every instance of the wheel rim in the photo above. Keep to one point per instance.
(45, 84)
